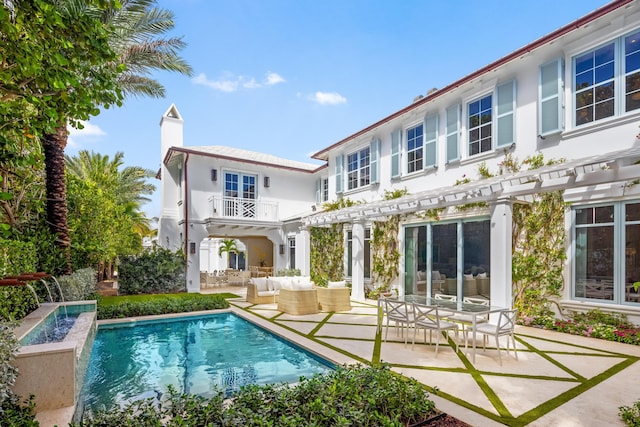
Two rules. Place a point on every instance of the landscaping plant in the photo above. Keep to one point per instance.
(156, 271)
(349, 396)
(146, 305)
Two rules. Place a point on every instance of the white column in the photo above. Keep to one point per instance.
(357, 261)
(303, 251)
(501, 252)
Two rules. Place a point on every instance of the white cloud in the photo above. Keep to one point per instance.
(231, 83)
(328, 98)
(222, 85)
(88, 132)
(274, 79)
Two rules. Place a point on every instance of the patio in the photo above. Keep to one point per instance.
(559, 379)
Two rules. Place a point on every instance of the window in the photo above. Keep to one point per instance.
(358, 170)
(606, 243)
(414, 148)
(239, 195)
(325, 189)
(322, 190)
(606, 80)
(479, 123)
(292, 252)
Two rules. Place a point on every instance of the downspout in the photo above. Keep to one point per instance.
(186, 218)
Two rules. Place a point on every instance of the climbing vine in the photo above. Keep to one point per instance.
(384, 247)
(327, 247)
(538, 247)
(327, 253)
(538, 238)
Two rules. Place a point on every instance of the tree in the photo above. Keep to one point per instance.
(136, 27)
(104, 208)
(48, 51)
(229, 246)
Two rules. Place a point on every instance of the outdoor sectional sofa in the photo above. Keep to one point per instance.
(298, 295)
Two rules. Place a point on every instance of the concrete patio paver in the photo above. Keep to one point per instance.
(558, 379)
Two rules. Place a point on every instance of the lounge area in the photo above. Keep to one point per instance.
(298, 295)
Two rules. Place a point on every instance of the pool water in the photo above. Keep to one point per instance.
(53, 329)
(194, 354)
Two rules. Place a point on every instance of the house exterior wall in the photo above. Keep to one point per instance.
(518, 86)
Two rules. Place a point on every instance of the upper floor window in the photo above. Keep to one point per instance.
(239, 185)
(325, 189)
(480, 121)
(358, 170)
(414, 148)
(607, 80)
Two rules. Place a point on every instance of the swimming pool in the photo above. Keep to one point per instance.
(139, 360)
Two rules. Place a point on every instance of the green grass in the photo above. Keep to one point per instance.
(120, 299)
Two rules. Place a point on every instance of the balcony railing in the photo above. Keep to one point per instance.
(250, 209)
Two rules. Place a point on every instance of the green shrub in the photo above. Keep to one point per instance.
(8, 349)
(15, 258)
(15, 414)
(350, 396)
(112, 308)
(157, 271)
(630, 414)
(80, 285)
(288, 272)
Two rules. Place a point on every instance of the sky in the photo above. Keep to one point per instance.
(292, 77)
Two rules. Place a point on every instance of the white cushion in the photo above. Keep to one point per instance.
(340, 284)
(304, 285)
(266, 293)
(421, 275)
(261, 283)
(468, 276)
(482, 275)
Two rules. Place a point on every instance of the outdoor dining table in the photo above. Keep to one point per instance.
(474, 311)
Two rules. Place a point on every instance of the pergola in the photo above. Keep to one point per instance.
(619, 169)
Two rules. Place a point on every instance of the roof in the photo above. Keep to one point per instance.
(246, 156)
(598, 13)
(621, 166)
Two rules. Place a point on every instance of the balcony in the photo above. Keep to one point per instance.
(244, 209)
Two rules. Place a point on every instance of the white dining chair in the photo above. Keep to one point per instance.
(466, 320)
(427, 317)
(505, 327)
(398, 312)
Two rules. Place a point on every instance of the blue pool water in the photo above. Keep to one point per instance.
(55, 326)
(193, 354)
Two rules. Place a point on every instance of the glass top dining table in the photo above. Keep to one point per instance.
(472, 310)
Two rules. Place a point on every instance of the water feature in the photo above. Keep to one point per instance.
(33, 291)
(55, 342)
(59, 288)
(55, 326)
(138, 360)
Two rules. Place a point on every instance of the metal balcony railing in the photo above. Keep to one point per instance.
(238, 208)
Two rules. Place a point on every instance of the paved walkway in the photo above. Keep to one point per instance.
(558, 379)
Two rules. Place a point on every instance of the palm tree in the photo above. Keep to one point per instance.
(229, 246)
(126, 187)
(137, 27)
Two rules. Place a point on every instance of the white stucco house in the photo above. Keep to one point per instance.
(573, 94)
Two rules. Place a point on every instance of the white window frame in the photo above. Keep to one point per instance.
(618, 80)
(469, 129)
(418, 149)
(360, 176)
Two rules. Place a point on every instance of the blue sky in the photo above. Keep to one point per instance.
(291, 77)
